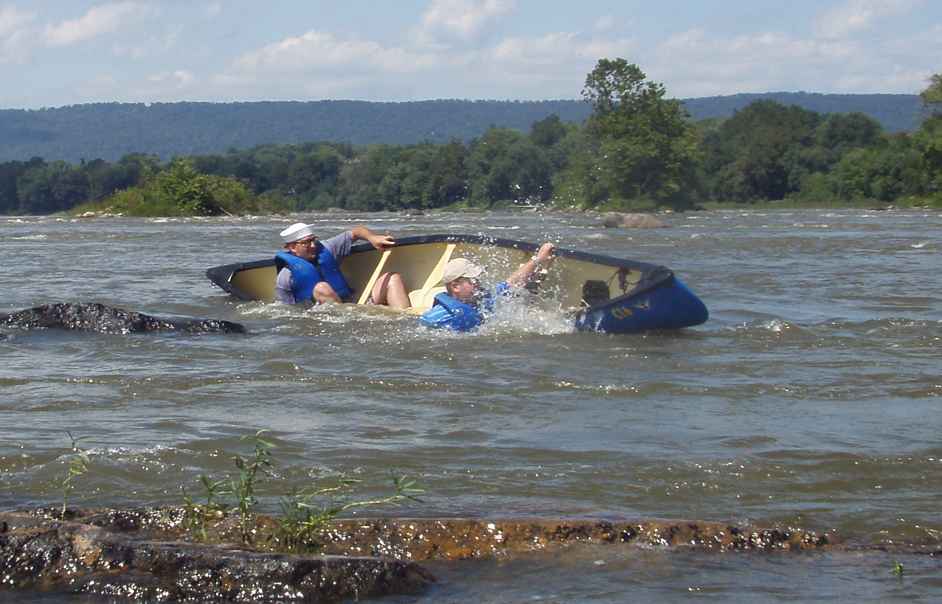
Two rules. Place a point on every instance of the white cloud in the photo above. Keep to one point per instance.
(858, 15)
(462, 18)
(12, 19)
(213, 9)
(15, 37)
(323, 65)
(561, 48)
(148, 46)
(696, 63)
(180, 78)
(319, 51)
(101, 19)
(549, 66)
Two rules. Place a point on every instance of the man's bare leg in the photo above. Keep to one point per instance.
(390, 289)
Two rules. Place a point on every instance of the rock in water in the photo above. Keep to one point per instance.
(61, 556)
(108, 319)
(613, 220)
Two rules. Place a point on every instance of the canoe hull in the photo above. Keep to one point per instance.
(670, 305)
(601, 293)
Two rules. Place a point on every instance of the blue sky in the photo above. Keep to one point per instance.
(66, 52)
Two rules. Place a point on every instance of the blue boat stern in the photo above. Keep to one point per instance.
(671, 305)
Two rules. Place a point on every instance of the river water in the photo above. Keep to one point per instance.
(810, 399)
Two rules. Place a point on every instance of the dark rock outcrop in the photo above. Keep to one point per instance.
(108, 319)
(149, 554)
(44, 553)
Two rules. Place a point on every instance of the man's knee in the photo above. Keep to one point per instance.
(323, 292)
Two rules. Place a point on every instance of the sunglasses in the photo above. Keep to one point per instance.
(311, 241)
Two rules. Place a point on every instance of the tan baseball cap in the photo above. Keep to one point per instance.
(460, 267)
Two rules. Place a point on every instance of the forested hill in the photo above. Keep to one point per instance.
(895, 112)
(112, 130)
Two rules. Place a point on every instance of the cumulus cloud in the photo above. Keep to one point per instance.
(14, 33)
(858, 15)
(12, 19)
(180, 78)
(462, 18)
(101, 19)
(322, 64)
(696, 63)
(759, 62)
(560, 48)
(550, 66)
(316, 50)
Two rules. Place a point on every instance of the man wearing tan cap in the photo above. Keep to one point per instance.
(464, 304)
(309, 269)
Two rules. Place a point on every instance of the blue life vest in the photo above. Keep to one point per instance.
(454, 314)
(305, 275)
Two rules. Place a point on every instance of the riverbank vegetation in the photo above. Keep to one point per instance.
(638, 150)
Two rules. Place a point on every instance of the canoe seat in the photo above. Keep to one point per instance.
(424, 298)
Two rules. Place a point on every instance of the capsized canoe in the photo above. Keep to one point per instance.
(601, 293)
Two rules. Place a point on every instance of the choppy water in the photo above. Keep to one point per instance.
(811, 398)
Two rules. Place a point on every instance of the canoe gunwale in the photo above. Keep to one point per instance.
(653, 275)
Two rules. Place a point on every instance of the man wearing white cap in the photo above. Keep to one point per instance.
(309, 269)
(463, 304)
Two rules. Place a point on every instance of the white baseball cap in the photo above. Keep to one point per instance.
(297, 231)
(459, 267)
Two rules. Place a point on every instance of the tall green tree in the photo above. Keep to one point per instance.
(504, 165)
(51, 187)
(10, 173)
(884, 173)
(548, 131)
(647, 149)
(932, 95)
(360, 179)
(928, 139)
(759, 152)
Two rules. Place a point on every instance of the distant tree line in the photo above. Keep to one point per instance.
(637, 149)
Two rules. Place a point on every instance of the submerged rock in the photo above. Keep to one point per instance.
(613, 220)
(108, 319)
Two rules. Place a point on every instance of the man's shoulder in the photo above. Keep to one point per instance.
(339, 245)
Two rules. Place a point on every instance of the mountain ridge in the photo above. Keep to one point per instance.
(111, 130)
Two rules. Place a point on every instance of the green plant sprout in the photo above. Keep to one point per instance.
(307, 512)
(243, 486)
(78, 466)
(195, 514)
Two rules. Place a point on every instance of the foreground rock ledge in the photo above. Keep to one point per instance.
(76, 556)
(91, 316)
(146, 554)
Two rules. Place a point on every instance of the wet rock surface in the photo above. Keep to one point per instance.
(149, 554)
(463, 539)
(613, 220)
(109, 320)
(40, 552)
